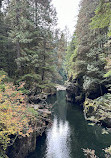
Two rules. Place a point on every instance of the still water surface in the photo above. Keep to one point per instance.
(69, 133)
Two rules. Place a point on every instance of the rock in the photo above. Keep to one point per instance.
(37, 98)
(24, 145)
(95, 90)
(49, 90)
(60, 88)
(70, 92)
(107, 122)
(98, 111)
(44, 111)
(74, 93)
(35, 106)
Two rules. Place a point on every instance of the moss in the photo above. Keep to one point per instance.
(108, 151)
(99, 109)
(90, 103)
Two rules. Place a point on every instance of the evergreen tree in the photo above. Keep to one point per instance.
(7, 55)
(31, 24)
(102, 19)
(88, 65)
(44, 18)
(60, 52)
(18, 16)
(2, 60)
(71, 55)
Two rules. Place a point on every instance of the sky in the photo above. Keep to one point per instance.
(67, 11)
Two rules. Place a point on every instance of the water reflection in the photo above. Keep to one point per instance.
(69, 133)
(58, 140)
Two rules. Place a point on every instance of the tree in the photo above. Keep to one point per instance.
(102, 16)
(19, 19)
(16, 118)
(30, 31)
(7, 55)
(87, 64)
(102, 19)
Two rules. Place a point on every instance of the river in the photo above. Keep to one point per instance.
(69, 133)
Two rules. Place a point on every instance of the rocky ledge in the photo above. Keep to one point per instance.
(74, 92)
(99, 110)
(37, 98)
(25, 145)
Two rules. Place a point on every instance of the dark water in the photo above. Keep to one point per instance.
(69, 133)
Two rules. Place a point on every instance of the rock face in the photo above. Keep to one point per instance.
(42, 96)
(24, 145)
(95, 90)
(37, 98)
(94, 97)
(98, 110)
(75, 92)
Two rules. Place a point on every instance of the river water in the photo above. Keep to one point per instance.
(69, 133)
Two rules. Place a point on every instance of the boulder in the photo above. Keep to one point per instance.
(37, 98)
(75, 93)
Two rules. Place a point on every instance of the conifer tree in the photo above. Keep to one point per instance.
(102, 19)
(88, 65)
(18, 16)
(7, 55)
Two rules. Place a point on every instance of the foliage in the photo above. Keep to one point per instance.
(71, 55)
(89, 153)
(108, 152)
(86, 58)
(27, 29)
(98, 109)
(102, 19)
(7, 55)
(102, 16)
(15, 115)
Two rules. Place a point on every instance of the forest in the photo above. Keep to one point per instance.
(35, 56)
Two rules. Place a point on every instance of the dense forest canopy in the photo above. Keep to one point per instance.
(90, 57)
(30, 42)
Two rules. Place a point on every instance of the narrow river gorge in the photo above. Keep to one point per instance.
(69, 133)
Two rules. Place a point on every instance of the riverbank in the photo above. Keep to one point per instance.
(69, 132)
(24, 145)
(97, 110)
(20, 122)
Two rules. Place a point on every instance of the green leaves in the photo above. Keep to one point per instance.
(102, 16)
(108, 74)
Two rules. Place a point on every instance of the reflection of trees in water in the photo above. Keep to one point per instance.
(61, 106)
(58, 140)
(58, 137)
(70, 132)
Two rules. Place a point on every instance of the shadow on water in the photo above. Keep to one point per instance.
(69, 133)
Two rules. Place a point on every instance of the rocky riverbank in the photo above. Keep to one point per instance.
(99, 110)
(75, 92)
(24, 145)
(96, 110)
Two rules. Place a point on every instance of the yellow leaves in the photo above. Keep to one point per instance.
(14, 116)
(2, 77)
